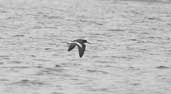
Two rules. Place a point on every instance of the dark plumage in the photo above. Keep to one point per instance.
(80, 43)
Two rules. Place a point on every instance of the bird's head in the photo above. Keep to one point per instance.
(85, 41)
(82, 41)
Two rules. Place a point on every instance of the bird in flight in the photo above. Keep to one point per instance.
(80, 43)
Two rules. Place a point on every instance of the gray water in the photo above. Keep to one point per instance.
(130, 50)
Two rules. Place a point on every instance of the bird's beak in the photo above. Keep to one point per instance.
(88, 42)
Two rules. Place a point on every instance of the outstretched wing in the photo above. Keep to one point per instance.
(81, 50)
(71, 46)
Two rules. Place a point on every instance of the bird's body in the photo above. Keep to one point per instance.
(80, 43)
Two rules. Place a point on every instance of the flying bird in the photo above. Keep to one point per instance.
(80, 43)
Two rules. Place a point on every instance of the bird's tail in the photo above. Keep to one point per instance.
(67, 43)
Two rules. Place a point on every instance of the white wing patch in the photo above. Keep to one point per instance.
(78, 44)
